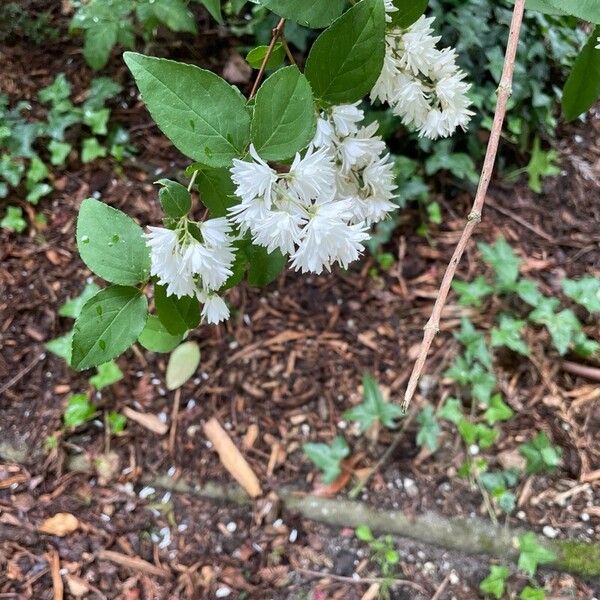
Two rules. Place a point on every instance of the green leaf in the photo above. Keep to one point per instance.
(98, 44)
(374, 407)
(285, 119)
(471, 293)
(476, 433)
(37, 191)
(498, 410)
(507, 501)
(156, 338)
(364, 534)
(588, 10)
(79, 410)
(37, 172)
(72, 308)
(101, 90)
(408, 12)
(13, 219)
(346, 59)
(310, 13)
(116, 422)
(61, 346)
(96, 120)
(564, 327)
(532, 593)
(264, 267)
(11, 170)
(256, 56)
(173, 13)
(482, 384)
(452, 411)
(58, 90)
(429, 429)
(111, 244)
(178, 315)
(543, 163)
(582, 89)
(540, 454)
(529, 292)
(475, 345)
(174, 198)
(495, 583)
(532, 554)
(503, 260)
(59, 152)
(585, 291)
(216, 190)
(108, 324)
(91, 149)
(214, 8)
(108, 373)
(199, 112)
(182, 365)
(328, 458)
(508, 333)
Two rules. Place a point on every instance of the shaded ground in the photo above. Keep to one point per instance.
(287, 365)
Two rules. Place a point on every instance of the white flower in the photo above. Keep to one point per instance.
(280, 229)
(253, 179)
(389, 8)
(214, 310)
(345, 118)
(360, 149)
(313, 176)
(598, 43)
(324, 135)
(418, 46)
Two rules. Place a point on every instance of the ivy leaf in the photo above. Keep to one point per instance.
(111, 244)
(328, 458)
(532, 554)
(374, 407)
(108, 373)
(173, 13)
(178, 315)
(540, 454)
(182, 365)
(474, 343)
(495, 583)
(585, 291)
(101, 90)
(471, 293)
(532, 593)
(309, 13)
(364, 533)
(174, 198)
(204, 116)
(96, 120)
(581, 91)
(503, 260)
(91, 149)
(108, 324)
(59, 152)
(346, 59)
(452, 411)
(284, 120)
(483, 383)
(529, 292)
(429, 429)
(564, 327)
(156, 338)
(79, 410)
(116, 422)
(508, 333)
(13, 219)
(72, 308)
(476, 433)
(506, 500)
(541, 164)
(459, 371)
(57, 91)
(498, 410)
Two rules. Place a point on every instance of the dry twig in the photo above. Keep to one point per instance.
(277, 33)
(504, 92)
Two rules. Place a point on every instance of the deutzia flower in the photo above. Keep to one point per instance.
(424, 85)
(186, 265)
(214, 310)
(253, 179)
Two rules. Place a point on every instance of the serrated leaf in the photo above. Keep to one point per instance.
(310, 13)
(285, 119)
(475, 345)
(174, 198)
(178, 315)
(183, 362)
(199, 112)
(503, 260)
(328, 458)
(532, 554)
(79, 410)
(529, 292)
(495, 583)
(584, 291)
(111, 244)
(108, 324)
(72, 308)
(108, 373)
(508, 333)
(156, 338)
(346, 59)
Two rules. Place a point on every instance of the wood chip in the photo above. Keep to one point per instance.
(54, 565)
(151, 422)
(132, 562)
(231, 458)
(61, 524)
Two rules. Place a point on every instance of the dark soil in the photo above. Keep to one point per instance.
(289, 363)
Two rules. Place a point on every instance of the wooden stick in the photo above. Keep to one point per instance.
(134, 563)
(504, 93)
(362, 580)
(277, 33)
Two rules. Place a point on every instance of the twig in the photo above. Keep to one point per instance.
(22, 372)
(191, 183)
(504, 93)
(362, 580)
(441, 588)
(277, 33)
(288, 51)
(174, 418)
(133, 563)
(582, 370)
(521, 221)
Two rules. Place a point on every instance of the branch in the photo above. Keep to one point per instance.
(504, 93)
(277, 33)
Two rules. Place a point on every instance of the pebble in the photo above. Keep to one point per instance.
(584, 517)
(293, 536)
(550, 532)
(521, 515)
(146, 492)
(410, 487)
(231, 526)
(454, 579)
(223, 592)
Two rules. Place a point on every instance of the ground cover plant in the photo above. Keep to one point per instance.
(219, 256)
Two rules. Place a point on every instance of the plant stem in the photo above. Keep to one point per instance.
(277, 33)
(504, 93)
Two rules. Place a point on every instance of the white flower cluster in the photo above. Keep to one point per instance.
(189, 267)
(318, 211)
(424, 85)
